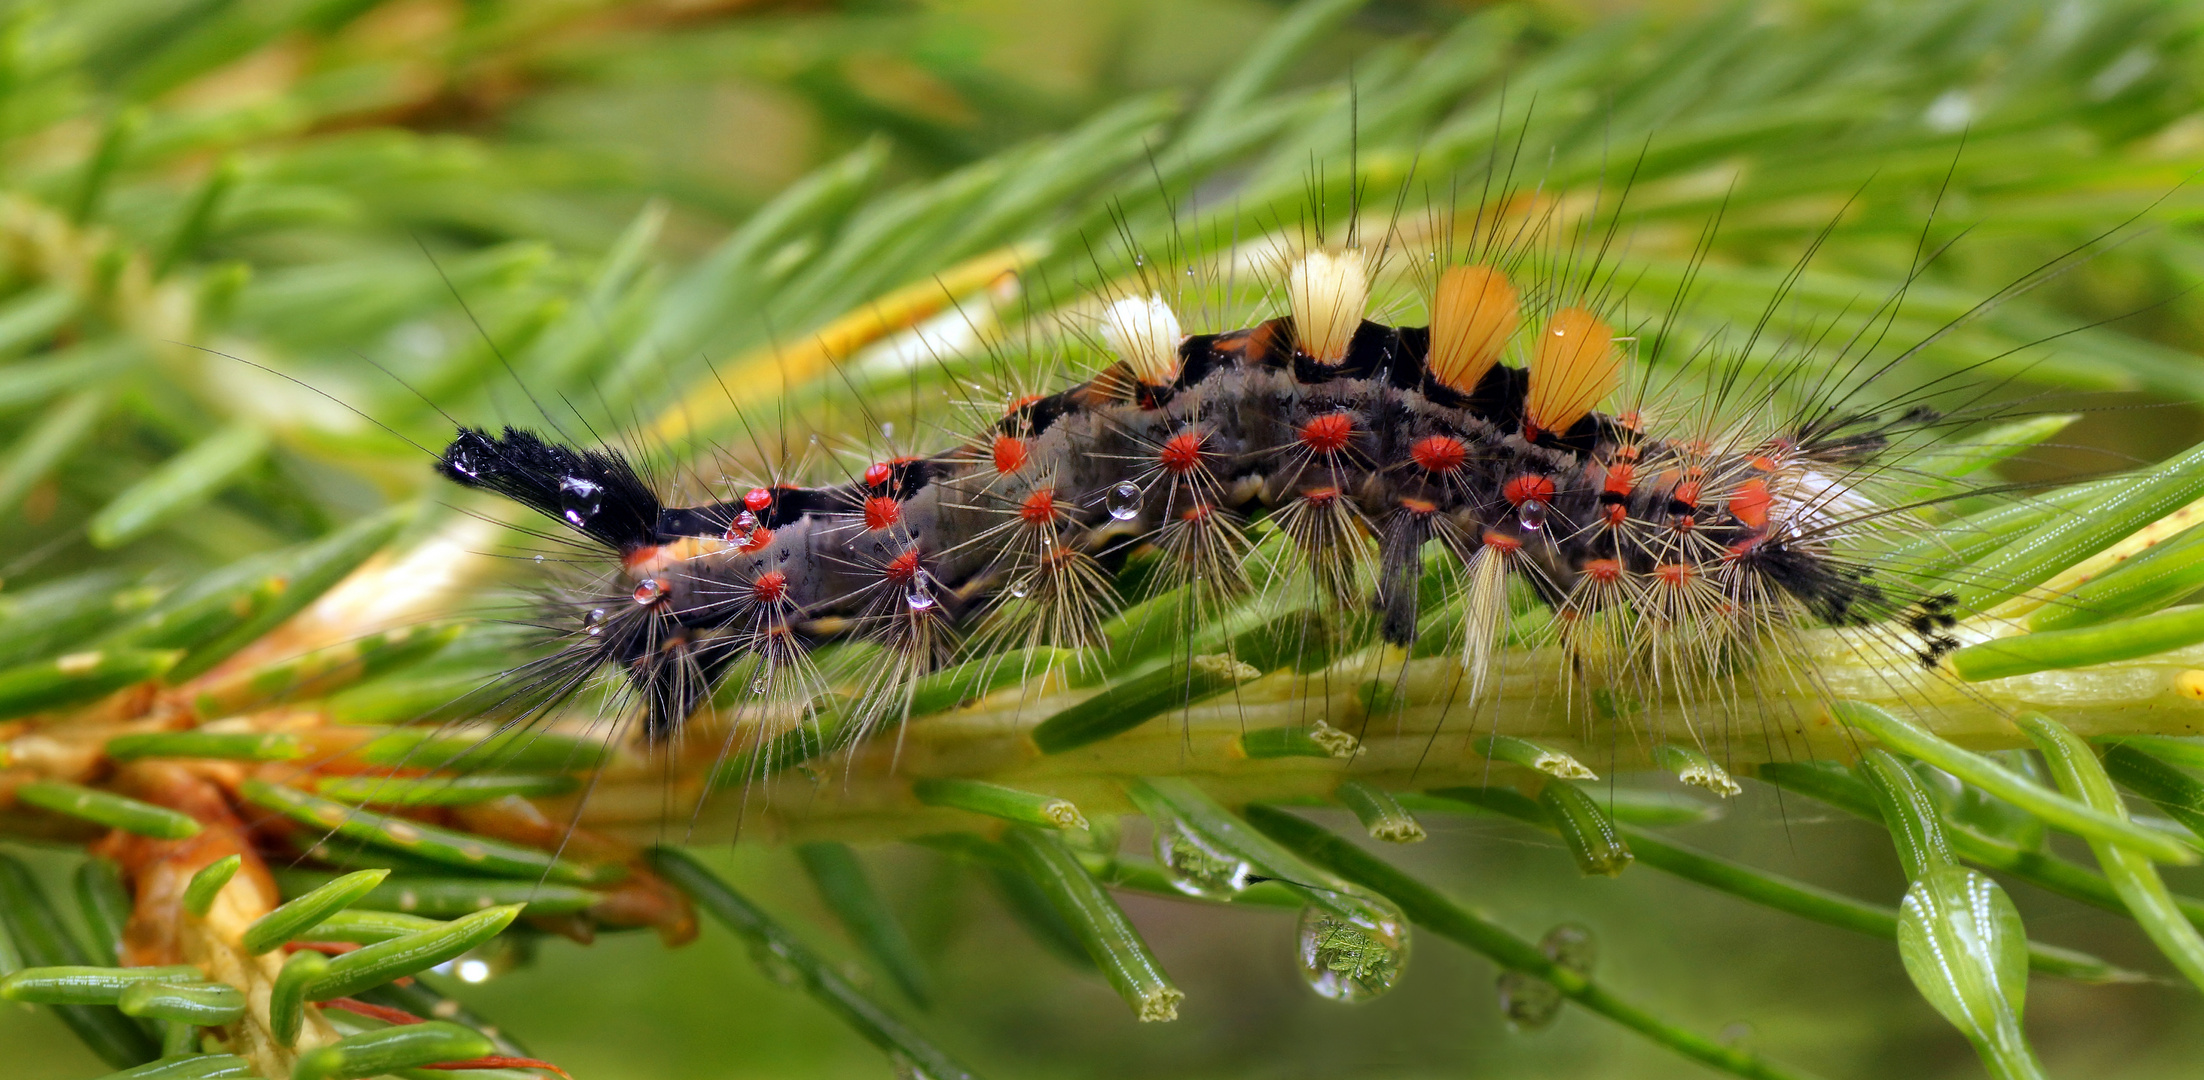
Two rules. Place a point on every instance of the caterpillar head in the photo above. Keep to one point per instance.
(656, 631)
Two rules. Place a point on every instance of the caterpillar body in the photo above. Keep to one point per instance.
(1367, 445)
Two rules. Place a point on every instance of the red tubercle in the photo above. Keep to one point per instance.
(1039, 508)
(1020, 403)
(770, 587)
(1200, 511)
(881, 473)
(1622, 476)
(1011, 453)
(1503, 543)
(1181, 453)
(1674, 574)
(755, 541)
(756, 500)
(1328, 434)
(1604, 571)
(1523, 489)
(634, 557)
(1617, 514)
(903, 569)
(1419, 506)
(1439, 453)
(1320, 496)
(1751, 503)
(1686, 493)
(881, 512)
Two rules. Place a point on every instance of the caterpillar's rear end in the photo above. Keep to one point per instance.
(1427, 476)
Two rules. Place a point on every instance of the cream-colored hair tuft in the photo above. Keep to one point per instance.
(1144, 332)
(1328, 294)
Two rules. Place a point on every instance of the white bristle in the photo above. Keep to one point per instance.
(1144, 332)
(1328, 294)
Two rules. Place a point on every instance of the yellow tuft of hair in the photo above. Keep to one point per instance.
(1328, 294)
(1573, 368)
(1473, 313)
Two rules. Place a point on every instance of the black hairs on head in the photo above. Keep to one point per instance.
(595, 492)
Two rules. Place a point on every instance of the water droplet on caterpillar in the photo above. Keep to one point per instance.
(1531, 515)
(649, 591)
(1347, 959)
(579, 500)
(593, 622)
(1194, 867)
(918, 599)
(1124, 501)
(760, 685)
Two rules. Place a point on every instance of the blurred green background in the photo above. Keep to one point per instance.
(294, 181)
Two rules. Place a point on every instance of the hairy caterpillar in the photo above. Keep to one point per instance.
(1501, 445)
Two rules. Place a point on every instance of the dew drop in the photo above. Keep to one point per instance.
(1124, 501)
(918, 598)
(774, 961)
(760, 685)
(1348, 959)
(1531, 1003)
(1018, 591)
(746, 521)
(1194, 867)
(1571, 945)
(489, 960)
(1531, 515)
(649, 591)
(593, 623)
(887, 430)
(539, 560)
(1528, 1002)
(579, 500)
